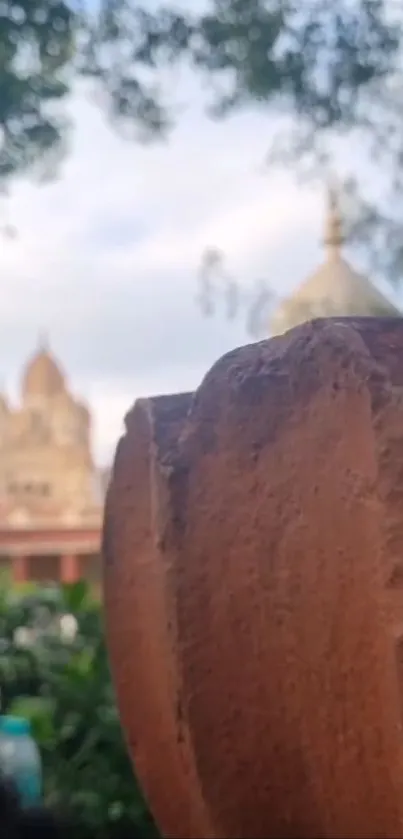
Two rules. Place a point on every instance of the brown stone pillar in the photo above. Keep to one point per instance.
(70, 569)
(20, 569)
(254, 590)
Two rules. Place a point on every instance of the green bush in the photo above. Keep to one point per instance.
(54, 670)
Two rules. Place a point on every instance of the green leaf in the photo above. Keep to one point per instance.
(76, 595)
(40, 713)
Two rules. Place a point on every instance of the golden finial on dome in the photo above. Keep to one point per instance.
(334, 238)
(43, 340)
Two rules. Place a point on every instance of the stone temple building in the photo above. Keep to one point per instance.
(334, 289)
(50, 492)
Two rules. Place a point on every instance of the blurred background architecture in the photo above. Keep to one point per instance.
(51, 492)
(335, 289)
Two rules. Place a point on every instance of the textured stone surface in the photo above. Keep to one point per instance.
(140, 598)
(253, 550)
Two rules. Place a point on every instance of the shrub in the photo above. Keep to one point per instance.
(54, 670)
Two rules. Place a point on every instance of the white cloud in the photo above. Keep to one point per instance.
(106, 258)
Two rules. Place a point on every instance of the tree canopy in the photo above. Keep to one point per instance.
(331, 73)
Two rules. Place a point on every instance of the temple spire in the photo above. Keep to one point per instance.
(333, 238)
(43, 341)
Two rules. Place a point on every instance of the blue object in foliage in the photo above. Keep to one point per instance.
(20, 759)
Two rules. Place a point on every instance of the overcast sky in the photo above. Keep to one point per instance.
(106, 257)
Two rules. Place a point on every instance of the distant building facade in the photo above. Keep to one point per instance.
(51, 496)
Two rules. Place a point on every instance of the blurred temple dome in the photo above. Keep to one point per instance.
(335, 289)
